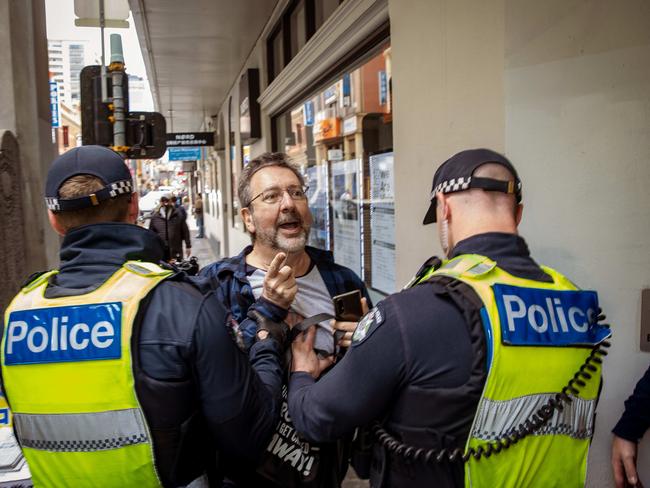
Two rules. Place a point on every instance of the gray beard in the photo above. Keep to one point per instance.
(275, 240)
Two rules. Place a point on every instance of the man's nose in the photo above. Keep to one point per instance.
(287, 203)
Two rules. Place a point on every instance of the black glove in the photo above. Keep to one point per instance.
(277, 331)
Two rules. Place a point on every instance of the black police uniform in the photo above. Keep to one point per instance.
(420, 369)
(196, 388)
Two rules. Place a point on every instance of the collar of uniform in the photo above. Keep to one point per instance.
(109, 243)
(493, 245)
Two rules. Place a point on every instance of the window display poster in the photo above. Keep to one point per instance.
(318, 198)
(382, 222)
(346, 211)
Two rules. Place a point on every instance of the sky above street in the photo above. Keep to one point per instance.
(60, 26)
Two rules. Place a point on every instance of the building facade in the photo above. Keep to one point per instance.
(370, 96)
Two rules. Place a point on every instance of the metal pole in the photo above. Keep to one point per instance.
(102, 23)
(117, 73)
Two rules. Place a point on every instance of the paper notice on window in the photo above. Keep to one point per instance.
(346, 214)
(382, 222)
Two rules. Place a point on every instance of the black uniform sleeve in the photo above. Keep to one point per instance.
(635, 421)
(353, 393)
(241, 405)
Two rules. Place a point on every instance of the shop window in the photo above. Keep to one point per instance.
(341, 137)
(275, 53)
(323, 9)
(297, 28)
(299, 22)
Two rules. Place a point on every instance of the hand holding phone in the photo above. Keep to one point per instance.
(348, 309)
(347, 306)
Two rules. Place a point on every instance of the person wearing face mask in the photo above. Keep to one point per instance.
(171, 226)
(281, 279)
(484, 371)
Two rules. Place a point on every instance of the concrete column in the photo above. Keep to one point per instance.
(448, 95)
(25, 112)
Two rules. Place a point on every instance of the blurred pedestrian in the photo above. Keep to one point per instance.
(176, 202)
(198, 215)
(169, 224)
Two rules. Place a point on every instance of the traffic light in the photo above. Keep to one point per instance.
(145, 131)
(96, 125)
(146, 134)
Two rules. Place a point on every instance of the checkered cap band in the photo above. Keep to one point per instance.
(52, 204)
(450, 186)
(85, 445)
(110, 191)
(459, 184)
(121, 187)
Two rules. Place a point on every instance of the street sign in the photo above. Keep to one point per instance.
(191, 139)
(184, 153)
(54, 104)
(116, 13)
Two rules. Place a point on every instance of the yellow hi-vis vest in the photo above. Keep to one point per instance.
(538, 336)
(66, 365)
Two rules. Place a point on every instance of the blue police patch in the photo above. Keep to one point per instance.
(62, 334)
(367, 325)
(539, 317)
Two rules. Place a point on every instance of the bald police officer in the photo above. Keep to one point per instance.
(484, 371)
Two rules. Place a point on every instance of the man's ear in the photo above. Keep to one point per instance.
(134, 209)
(518, 213)
(443, 206)
(54, 222)
(247, 217)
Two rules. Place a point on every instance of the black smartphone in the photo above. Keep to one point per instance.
(347, 306)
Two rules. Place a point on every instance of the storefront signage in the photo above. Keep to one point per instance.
(383, 88)
(308, 111)
(327, 129)
(347, 90)
(335, 155)
(184, 153)
(54, 104)
(190, 139)
(350, 125)
(330, 95)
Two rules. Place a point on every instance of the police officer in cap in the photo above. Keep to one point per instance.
(120, 372)
(484, 371)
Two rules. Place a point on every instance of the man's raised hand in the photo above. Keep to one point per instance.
(280, 285)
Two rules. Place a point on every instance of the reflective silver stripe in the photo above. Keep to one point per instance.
(81, 432)
(481, 268)
(495, 419)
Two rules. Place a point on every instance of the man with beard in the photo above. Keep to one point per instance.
(276, 214)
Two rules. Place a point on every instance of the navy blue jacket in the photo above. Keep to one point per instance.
(235, 292)
(635, 421)
(197, 389)
(422, 342)
(230, 279)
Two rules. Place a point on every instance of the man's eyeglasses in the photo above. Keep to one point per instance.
(274, 195)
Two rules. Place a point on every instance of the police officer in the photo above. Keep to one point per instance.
(120, 372)
(484, 372)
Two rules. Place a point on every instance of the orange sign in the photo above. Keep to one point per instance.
(328, 129)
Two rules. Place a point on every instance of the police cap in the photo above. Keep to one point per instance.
(97, 161)
(456, 174)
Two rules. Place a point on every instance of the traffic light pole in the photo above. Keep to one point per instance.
(116, 69)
